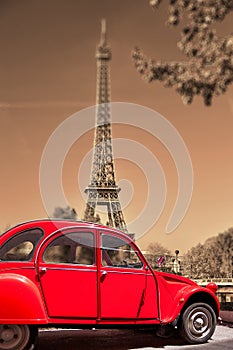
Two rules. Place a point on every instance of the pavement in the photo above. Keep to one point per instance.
(126, 340)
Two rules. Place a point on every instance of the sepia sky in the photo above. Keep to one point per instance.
(48, 73)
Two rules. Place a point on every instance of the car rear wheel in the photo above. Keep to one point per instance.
(198, 323)
(17, 337)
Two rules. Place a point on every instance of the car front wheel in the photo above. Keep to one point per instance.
(198, 323)
(17, 337)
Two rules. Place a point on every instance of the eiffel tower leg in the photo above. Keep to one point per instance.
(89, 214)
(110, 217)
(118, 216)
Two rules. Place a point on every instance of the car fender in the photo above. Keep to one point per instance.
(20, 301)
(190, 295)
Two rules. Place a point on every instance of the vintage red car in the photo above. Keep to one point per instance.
(73, 274)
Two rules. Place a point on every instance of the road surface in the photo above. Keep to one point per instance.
(126, 340)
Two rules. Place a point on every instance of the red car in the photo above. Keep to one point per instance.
(74, 274)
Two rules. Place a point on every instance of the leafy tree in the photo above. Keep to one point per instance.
(195, 263)
(154, 252)
(208, 70)
(211, 259)
(65, 213)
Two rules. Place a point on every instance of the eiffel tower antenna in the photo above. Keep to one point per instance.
(103, 38)
(102, 189)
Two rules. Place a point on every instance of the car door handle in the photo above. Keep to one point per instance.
(103, 275)
(42, 270)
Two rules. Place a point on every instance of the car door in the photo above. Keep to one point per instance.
(68, 274)
(127, 287)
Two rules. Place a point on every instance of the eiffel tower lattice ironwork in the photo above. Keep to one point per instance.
(103, 190)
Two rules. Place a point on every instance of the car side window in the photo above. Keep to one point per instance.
(119, 253)
(21, 246)
(71, 248)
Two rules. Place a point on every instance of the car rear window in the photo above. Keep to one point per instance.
(21, 246)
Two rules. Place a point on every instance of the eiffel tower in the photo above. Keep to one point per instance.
(103, 190)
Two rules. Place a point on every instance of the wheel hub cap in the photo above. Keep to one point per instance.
(199, 323)
(7, 335)
(14, 337)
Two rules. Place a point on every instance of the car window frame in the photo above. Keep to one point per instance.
(58, 233)
(32, 254)
(130, 243)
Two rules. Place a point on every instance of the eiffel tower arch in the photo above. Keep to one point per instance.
(102, 189)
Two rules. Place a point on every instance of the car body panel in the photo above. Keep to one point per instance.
(175, 292)
(69, 291)
(75, 285)
(20, 300)
(40, 291)
(116, 291)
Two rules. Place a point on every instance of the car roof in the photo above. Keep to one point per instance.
(50, 225)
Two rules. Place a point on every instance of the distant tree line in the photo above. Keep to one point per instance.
(65, 213)
(70, 213)
(155, 251)
(161, 258)
(213, 259)
(59, 213)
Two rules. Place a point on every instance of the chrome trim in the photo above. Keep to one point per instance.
(125, 272)
(3, 270)
(69, 269)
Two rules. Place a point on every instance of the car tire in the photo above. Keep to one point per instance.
(17, 337)
(198, 323)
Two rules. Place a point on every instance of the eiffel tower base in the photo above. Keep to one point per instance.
(108, 198)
